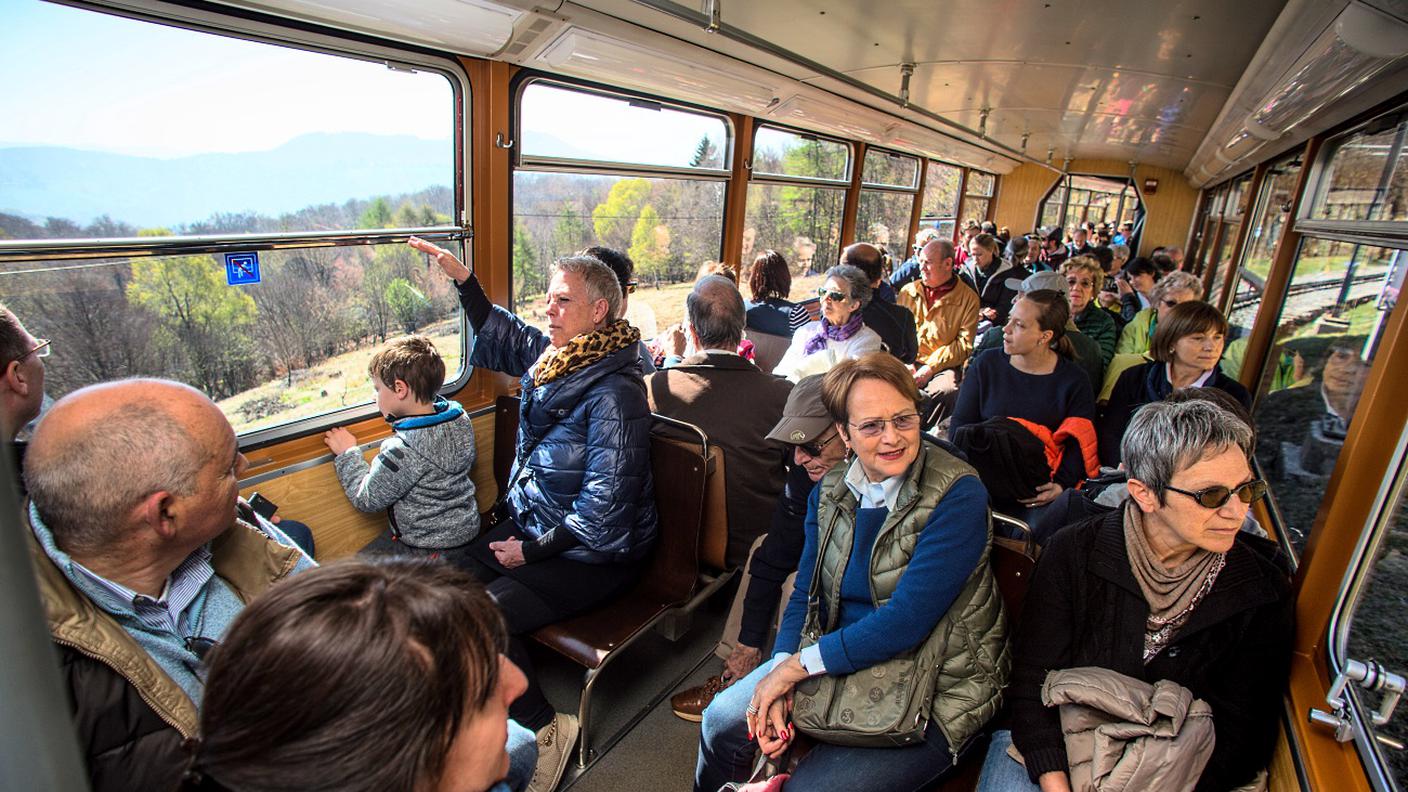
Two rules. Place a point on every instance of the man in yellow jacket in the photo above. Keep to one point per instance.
(946, 313)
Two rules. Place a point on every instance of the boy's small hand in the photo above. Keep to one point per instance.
(509, 552)
(339, 439)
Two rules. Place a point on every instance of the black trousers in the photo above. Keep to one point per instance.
(538, 594)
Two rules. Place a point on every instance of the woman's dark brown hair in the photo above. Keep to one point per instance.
(1052, 313)
(1184, 319)
(769, 276)
(351, 677)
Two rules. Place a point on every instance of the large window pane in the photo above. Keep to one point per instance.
(1273, 213)
(292, 346)
(1335, 309)
(888, 169)
(883, 220)
(974, 209)
(981, 184)
(162, 131)
(777, 152)
(1366, 177)
(620, 130)
(669, 227)
(801, 223)
(1376, 627)
(941, 190)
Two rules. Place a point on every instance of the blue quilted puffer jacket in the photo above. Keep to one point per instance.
(590, 468)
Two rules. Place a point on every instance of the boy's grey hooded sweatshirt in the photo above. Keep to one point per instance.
(421, 477)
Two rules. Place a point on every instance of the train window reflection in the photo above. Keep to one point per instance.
(882, 219)
(801, 223)
(163, 131)
(293, 346)
(669, 227)
(1339, 298)
(1366, 175)
(1376, 627)
(778, 152)
(888, 169)
(940, 205)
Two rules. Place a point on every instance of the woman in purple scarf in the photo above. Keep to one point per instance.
(840, 334)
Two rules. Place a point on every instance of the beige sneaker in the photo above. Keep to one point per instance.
(555, 743)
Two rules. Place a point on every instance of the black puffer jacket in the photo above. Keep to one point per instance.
(583, 445)
(1234, 652)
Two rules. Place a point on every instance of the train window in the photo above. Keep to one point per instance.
(787, 209)
(977, 196)
(172, 147)
(1337, 303)
(166, 131)
(644, 178)
(1273, 213)
(1076, 199)
(614, 128)
(889, 182)
(940, 205)
(1370, 628)
(1365, 177)
(1233, 212)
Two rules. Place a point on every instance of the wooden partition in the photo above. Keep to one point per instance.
(314, 496)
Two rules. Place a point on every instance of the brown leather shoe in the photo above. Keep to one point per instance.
(689, 704)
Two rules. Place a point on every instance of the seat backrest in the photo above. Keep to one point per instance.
(681, 472)
(713, 525)
(505, 439)
(768, 349)
(1013, 561)
(813, 308)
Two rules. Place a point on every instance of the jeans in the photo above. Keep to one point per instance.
(726, 754)
(1002, 773)
(522, 757)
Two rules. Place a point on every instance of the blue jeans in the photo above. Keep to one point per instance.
(1002, 773)
(522, 756)
(726, 754)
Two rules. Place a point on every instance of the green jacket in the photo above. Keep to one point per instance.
(1135, 338)
(970, 641)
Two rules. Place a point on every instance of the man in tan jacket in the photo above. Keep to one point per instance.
(946, 311)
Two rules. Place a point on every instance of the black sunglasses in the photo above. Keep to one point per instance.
(814, 448)
(1216, 497)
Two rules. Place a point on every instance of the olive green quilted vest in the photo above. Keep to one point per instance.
(970, 640)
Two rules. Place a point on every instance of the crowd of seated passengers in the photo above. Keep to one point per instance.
(582, 390)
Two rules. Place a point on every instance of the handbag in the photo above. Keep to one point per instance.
(884, 706)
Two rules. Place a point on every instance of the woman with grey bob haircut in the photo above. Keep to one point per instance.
(840, 334)
(1166, 587)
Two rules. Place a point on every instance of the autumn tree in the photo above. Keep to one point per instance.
(650, 246)
(615, 219)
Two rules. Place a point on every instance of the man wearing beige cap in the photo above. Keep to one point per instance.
(767, 581)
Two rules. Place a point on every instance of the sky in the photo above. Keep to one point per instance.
(81, 79)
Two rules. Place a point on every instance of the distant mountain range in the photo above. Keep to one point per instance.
(44, 181)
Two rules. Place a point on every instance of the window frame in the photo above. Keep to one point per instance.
(801, 181)
(938, 220)
(1066, 182)
(322, 42)
(1386, 233)
(967, 192)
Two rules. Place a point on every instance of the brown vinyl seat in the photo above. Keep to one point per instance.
(768, 349)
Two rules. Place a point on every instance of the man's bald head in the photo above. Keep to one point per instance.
(102, 450)
(715, 311)
(936, 263)
(867, 257)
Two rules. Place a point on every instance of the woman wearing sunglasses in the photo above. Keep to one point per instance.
(839, 334)
(1186, 349)
(893, 577)
(1167, 587)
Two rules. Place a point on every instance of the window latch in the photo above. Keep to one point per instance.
(1369, 676)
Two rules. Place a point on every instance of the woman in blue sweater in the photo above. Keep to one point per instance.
(1034, 379)
(898, 539)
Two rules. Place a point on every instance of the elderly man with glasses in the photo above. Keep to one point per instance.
(22, 375)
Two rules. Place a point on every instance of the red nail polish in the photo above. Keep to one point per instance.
(750, 735)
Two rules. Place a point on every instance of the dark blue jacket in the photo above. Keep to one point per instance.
(586, 438)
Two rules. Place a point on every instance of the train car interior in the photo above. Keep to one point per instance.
(221, 192)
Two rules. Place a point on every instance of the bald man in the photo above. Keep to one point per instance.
(143, 562)
(734, 402)
(946, 310)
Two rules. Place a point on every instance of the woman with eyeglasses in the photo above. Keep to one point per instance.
(839, 334)
(1186, 349)
(1165, 588)
(894, 566)
(1033, 378)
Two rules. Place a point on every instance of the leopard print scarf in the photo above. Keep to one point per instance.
(582, 351)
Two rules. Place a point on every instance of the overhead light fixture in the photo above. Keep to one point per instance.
(1361, 43)
(595, 56)
(821, 116)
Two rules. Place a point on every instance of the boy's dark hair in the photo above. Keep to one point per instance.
(413, 360)
(1141, 266)
(619, 263)
(354, 676)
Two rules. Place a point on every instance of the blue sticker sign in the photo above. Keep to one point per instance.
(241, 269)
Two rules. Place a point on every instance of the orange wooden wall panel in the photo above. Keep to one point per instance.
(1170, 209)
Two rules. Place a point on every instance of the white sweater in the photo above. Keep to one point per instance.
(796, 364)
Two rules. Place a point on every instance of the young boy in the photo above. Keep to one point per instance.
(421, 475)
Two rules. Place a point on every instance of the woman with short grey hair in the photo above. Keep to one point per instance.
(1166, 587)
(839, 334)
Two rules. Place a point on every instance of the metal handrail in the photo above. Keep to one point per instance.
(70, 249)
